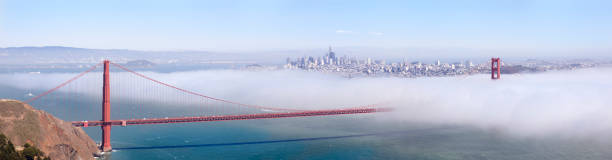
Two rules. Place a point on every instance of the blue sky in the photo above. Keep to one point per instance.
(513, 25)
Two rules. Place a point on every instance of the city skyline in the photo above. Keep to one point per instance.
(350, 67)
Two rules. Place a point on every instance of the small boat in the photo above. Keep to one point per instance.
(267, 110)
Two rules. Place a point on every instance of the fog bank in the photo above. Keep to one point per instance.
(571, 103)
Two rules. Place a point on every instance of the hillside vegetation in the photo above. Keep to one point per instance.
(38, 132)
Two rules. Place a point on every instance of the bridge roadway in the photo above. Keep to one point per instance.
(229, 117)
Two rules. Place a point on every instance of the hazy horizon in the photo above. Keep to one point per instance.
(428, 55)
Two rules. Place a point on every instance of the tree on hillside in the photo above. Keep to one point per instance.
(7, 149)
(31, 153)
(8, 152)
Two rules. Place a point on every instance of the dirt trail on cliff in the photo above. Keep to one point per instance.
(57, 138)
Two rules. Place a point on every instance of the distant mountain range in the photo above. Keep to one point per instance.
(72, 55)
(62, 55)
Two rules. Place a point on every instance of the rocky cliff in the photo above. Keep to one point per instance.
(58, 139)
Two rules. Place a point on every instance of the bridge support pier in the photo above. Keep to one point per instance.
(106, 127)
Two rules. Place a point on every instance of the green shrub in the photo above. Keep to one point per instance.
(8, 152)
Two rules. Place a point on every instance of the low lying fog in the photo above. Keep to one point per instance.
(567, 102)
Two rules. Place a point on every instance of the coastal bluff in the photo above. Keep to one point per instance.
(58, 139)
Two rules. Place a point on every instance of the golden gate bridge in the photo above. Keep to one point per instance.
(230, 110)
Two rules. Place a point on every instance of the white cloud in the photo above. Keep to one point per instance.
(340, 31)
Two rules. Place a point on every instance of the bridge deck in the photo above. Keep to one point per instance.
(229, 117)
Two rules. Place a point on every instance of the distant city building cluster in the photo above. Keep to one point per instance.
(351, 66)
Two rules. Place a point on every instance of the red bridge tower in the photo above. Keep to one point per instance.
(495, 68)
(106, 127)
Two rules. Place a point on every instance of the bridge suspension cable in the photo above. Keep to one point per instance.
(63, 84)
(181, 90)
(204, 96)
